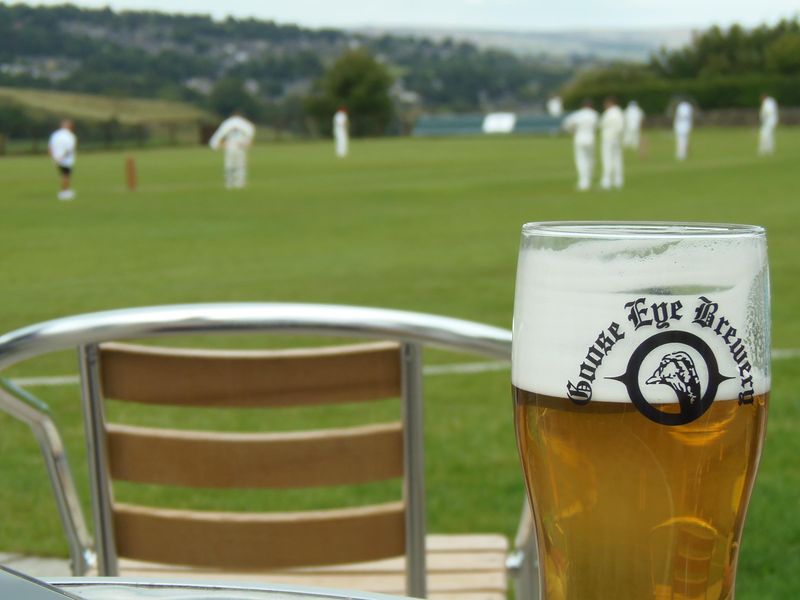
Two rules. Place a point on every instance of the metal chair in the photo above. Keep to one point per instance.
(275, 544)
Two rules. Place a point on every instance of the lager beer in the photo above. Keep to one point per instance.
(641, 380)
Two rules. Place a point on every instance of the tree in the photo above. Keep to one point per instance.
(733, 52)
(783, 55)
(359, 83)
(719, 68)
(229, 94)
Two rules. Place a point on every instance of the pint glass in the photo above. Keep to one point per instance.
(641, 378)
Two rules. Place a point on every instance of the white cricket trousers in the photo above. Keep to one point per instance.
(341, 144)
(681, 145)
(631, 139)
(611, 154)
(584, 163)
(766, 139)
(235, 168)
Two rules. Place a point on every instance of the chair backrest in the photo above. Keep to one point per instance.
(264, 379)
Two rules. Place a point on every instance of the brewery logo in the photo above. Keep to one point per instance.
(675, 369)
(671, 363)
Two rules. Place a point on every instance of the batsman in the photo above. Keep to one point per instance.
(235, 135)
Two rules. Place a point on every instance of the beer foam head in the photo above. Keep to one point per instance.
(589, 295)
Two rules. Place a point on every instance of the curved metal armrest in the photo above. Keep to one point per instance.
(253, 317)
(25, 407)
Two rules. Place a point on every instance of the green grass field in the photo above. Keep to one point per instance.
(430, 225)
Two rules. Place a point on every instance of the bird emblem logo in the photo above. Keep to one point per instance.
(676, 369)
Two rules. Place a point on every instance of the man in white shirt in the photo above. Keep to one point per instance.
(612, 125)
(63, 146)
(769, 120)
(235, 135)
(555, 108)
(634, 116)
(341, 131)
(683, 127)
(583, 125)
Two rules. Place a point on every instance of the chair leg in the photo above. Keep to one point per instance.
(27, 408)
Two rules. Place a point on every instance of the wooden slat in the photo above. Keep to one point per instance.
(461, 568)
(467, 542)
(468, 595)
(459, 585)
(259, 540)
(394, 584)
(438, 562)
(444, 587)
(187, 377)
(458, 562)
(243, 460)
(448, 553)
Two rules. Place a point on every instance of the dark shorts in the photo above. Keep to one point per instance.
(64, 170)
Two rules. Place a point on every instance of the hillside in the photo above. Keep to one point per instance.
(150, 54)
(604, 44)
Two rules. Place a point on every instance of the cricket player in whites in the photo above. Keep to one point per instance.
(682, 126)
(612, 126)
(634, 116)
(555, 107)
(341, 133)
(235, 135)
(582, 124)
(62, 147)
(769, 120)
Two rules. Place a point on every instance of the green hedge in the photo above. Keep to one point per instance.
(655, 96)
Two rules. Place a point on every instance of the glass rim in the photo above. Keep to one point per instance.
(640, 229)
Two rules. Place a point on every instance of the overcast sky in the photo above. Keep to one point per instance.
(483, 14)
